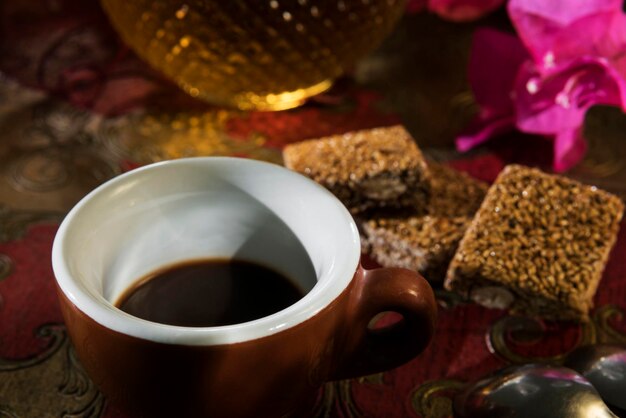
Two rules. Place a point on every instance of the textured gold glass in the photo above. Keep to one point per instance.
(253, 54)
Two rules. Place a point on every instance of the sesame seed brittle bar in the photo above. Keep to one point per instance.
(537, 245)
(454, 193)
(374, 168)
(422, 243)
(425, 239)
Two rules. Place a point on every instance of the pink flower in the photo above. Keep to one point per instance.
(555, 105)
(556, 32)
(463, 10)
(574, 58)
(456, 10)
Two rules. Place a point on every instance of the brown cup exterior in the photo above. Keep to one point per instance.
(272, 376)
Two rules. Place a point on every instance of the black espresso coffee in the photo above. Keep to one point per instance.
(207, 293)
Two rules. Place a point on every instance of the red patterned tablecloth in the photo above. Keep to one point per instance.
(77, 108)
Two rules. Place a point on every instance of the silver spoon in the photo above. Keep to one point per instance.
(605, 367)
(531, 390)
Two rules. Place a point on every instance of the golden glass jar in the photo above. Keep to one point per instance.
(253, 54)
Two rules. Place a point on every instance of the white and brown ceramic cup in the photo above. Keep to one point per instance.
(227, 207)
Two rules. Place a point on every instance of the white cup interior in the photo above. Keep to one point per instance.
(220, 221)
(204, 208)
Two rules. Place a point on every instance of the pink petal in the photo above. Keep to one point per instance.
(481, 130)
(569, 149)
(495, 60)
(463, 10)
(563, 12)
(494, 63)
(558, 31)
(558, 103)
(615, 44)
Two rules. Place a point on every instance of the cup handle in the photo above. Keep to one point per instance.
(365, 351)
